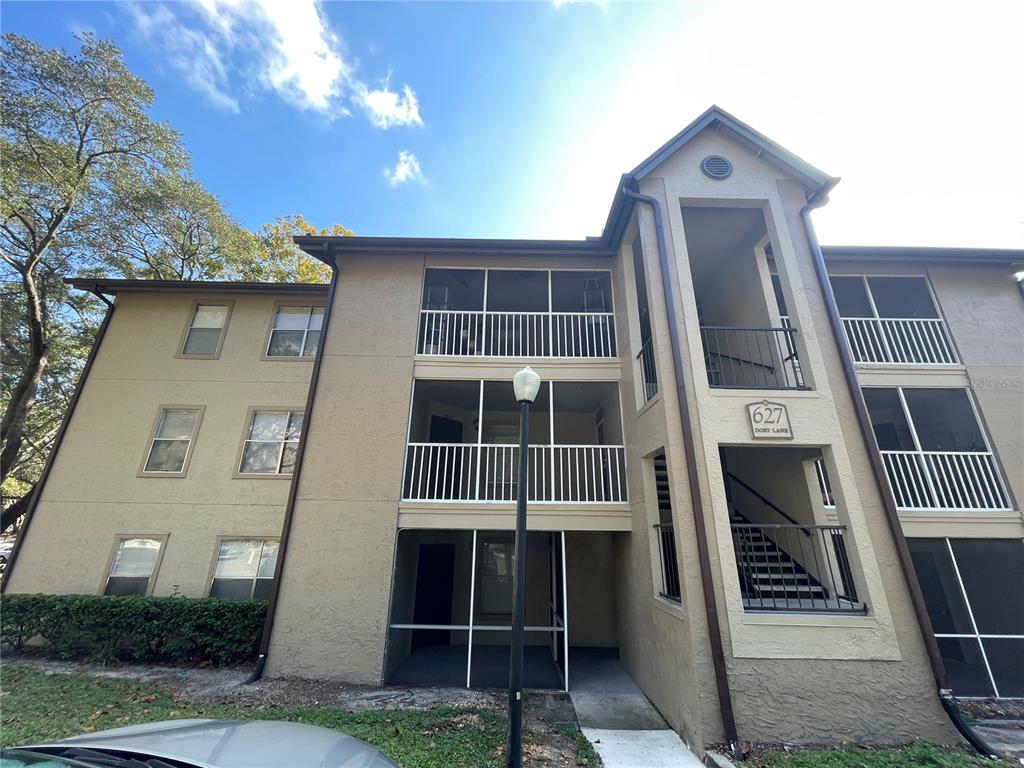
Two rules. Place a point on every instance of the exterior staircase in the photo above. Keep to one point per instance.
(768, 574)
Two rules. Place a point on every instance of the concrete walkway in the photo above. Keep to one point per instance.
(616, 717)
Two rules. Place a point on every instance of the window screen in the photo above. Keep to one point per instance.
(132, 567)
(205, 329)
(905, 297)
(944, 419)
(851, 298)
(170, 445)
(296, 332)
(245, 569)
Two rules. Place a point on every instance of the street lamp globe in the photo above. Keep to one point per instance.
(526, 385)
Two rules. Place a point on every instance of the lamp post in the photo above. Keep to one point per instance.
(526, 385)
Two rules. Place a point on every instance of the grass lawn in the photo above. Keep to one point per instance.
(919, 756)
(36, 706)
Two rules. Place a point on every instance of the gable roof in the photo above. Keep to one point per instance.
(714, 118)
(718, 119)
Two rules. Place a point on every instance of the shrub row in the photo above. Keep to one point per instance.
(107, 628)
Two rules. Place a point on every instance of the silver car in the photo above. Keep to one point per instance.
(203, 744)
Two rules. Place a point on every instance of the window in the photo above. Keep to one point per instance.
(271, 443)
(206, 330)
(645, 370)
(172, 440)
(296, 332)
(496, 577)
(245, 569)
(133, 566)
(977, 616)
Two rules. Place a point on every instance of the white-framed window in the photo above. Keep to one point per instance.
(296, 331)
(245, 569)
(132, 566)
(172, 440)
(271, 442)
(976, 613)
(205, 331)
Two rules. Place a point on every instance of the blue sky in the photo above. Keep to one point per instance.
(515, 119)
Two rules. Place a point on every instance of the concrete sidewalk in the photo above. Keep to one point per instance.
(622, 724)
(641, 749)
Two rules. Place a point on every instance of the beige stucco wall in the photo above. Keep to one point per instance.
(780, 664)
(94, 492)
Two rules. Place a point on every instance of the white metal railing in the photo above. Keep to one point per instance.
(953, 481)
(903, 341)
(477, 333)
(574, 474)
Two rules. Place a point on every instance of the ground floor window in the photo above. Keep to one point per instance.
(976, 605)
(133, 566)
(245, 569)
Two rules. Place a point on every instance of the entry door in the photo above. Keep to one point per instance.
(447, 464)
(435, 577)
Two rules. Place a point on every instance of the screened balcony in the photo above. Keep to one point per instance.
(936, 454)
(748, 339)
(516, 313)
(892, 320)
(464, 444)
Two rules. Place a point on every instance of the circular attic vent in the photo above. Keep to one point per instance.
(716, 167)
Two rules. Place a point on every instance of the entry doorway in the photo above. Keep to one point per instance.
(435, 580)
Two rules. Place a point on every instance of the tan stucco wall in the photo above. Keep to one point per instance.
(335, 587)
(880, 653)
(94, 492)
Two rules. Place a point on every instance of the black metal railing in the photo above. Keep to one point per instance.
(751, 358)
(648, 373)
(787, 567)
(669, 563)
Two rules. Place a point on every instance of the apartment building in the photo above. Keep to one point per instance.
(741, 466)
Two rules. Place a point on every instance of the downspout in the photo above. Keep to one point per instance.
(710, 603)
(37, 492)
(945, 692)
(293, 488)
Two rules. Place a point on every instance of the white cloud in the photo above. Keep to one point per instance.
(229, 50)
(385, 108)
(407, 169)
(195, 55)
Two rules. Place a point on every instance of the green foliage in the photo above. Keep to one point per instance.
(167, 629)
(585, 752)
(916, 756)
(40, 706)
(91, 185)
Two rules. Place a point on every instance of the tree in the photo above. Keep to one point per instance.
(91, 185)
(282, 260)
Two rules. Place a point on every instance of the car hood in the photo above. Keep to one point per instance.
(238, 744)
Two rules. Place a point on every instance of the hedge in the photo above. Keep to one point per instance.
(108, 628)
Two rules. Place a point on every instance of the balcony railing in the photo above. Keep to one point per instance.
(792, 567)
(900, 341)
(947, 481)
(669, 563)
(751, 358)
(464, 333)
(648, 371)
(568, 474)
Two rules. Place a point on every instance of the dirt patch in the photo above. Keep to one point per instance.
(994, 709)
